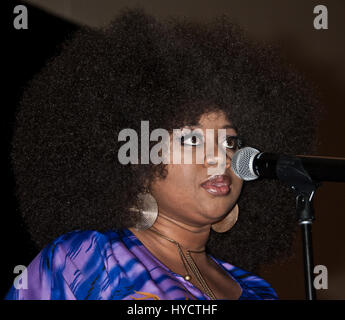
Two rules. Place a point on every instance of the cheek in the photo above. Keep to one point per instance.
(237, 185)
(179, 184)
(182, 176)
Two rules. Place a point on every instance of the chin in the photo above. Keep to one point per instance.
(216, 205)
(215, 212)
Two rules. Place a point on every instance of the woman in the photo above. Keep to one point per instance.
(156, 231)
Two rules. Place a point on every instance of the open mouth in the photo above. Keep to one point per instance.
(218, 185)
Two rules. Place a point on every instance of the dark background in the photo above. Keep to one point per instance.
(318, 54)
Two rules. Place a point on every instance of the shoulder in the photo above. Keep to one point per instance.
(79, 237)
(83, 241)
(83, 249)
(253, 286)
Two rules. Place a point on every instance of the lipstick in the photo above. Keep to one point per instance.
(218, 185)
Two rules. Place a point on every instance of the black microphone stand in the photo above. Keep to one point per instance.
(290, 170)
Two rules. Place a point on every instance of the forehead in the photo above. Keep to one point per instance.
(215, 119)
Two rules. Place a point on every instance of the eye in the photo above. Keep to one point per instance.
(232, 142)
(191, 140)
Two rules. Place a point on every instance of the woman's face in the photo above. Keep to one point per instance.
(186, 194)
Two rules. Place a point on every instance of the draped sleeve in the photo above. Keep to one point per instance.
(71, 266)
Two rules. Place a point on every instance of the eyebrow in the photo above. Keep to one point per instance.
(228, 126)
(194, 126)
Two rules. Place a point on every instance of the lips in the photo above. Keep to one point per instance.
(218, 185)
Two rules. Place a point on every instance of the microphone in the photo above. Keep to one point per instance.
(250, 164)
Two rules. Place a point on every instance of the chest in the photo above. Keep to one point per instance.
(225, 287)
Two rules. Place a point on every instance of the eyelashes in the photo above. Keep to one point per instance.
(233, 142)
(191, 139)
(230, 142)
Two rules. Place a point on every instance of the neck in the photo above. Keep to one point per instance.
(189, 237)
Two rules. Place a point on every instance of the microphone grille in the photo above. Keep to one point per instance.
(242, 163)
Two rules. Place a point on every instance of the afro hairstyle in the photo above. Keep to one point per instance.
(170, 72)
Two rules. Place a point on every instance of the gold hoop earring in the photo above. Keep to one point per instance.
(228, 222)
(148, 210)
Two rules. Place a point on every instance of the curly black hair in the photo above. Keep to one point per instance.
(170, 72)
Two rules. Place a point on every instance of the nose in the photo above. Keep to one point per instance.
(216, 155)
(212, 160)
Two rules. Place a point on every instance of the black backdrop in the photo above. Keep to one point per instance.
(25, 53)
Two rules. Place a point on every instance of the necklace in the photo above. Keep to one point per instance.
(189, 265)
